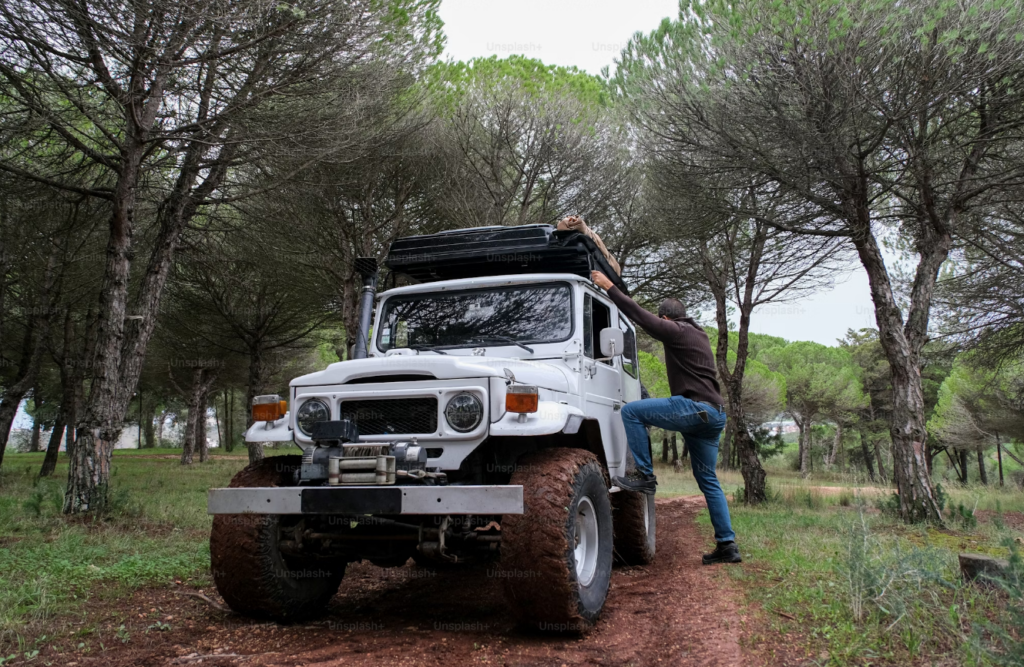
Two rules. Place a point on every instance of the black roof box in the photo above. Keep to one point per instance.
(497, 251)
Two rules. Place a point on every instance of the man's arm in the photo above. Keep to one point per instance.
(658, 328)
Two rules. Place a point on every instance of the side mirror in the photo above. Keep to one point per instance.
(612, 342)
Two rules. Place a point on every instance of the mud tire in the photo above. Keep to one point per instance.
(634, 537)
(248, 568)
(538, 558)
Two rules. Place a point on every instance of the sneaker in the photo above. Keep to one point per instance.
(725, 552)
(637, 481)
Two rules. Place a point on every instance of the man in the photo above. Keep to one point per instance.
(695, 409)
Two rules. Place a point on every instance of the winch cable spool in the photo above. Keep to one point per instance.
(363, 450)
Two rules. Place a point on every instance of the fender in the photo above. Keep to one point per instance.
(275, 431)
(551, 417)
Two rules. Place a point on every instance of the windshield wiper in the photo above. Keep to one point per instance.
(427, 348)
(504, 339)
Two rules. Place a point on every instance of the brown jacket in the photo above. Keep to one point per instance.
(688, 357)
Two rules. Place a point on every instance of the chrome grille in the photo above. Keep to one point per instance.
(392, 415)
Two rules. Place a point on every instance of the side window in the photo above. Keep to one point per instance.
(629, 358)
(588, 326)
(602, 320)
(596, 316)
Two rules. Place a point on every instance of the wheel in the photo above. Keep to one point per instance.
(634, 520)
(249, 570)
(556, 558)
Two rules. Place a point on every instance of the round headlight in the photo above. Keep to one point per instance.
(464, 412)
(311, 412)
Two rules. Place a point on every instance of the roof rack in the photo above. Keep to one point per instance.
(497, 251)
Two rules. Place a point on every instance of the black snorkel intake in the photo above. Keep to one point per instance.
(366, 267)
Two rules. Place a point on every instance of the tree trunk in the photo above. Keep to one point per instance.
(103, 412)
(805, 447)
(686, 452)
(201, 443)
(962, 453)
(675, 451)
(15, 393)
(755, 479)
(204, 403)
(37, 428)
(867, 457)
(254, 388)
(902, 344)
(881, 464)
(160, 429)
(222, 417)
(148, 435)
(837, 445)
(664, 449)
(725, 449)
(53, 446)
(121, 342)
(982, 473)
(8, 410)
(999, 457)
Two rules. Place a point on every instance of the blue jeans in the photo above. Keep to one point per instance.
(701, 425)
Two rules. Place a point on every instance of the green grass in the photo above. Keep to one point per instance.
(156, 531)
(797, 550)
(801, 562)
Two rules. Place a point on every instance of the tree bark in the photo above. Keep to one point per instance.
(254, 388)
(837, 441)
(881, 464)
(201, 443)
(160, 428)
(197, 400)
(902, 343)
(148, 435)
(982, 473)
(675, 450)
(121, 343)
(53, 446)
(867, 457)
(805, 446)
(15, 393)
(725, 454)
(962, 453)
(37, 428)
(664, 449)
(999, 457)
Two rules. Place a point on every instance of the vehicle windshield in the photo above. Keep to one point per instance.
(477, 318)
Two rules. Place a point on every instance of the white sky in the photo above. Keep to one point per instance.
(590, 34)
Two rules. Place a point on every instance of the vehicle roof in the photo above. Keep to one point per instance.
(485, 281)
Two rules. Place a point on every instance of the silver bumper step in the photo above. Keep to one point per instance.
(358, 500)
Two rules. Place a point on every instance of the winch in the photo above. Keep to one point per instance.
(340, 459)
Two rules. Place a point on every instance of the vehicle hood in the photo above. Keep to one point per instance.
(540, 373)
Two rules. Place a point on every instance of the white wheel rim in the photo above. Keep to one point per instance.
(586, 541)
(647, 516)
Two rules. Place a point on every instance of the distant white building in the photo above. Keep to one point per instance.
(21, 433)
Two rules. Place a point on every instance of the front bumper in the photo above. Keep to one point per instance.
(362, 500)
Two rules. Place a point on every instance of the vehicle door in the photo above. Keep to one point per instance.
(602, 387)
(629, 362)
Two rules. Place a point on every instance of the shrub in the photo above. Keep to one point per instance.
(890, 579)
(1003, 643)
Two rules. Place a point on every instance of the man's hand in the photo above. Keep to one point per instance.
(601, 280)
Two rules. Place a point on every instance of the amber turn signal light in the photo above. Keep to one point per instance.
(268, 408)
(521, 398)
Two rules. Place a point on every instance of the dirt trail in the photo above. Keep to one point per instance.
(675, 612)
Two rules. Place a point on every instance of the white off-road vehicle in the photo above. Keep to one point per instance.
(482, 423)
